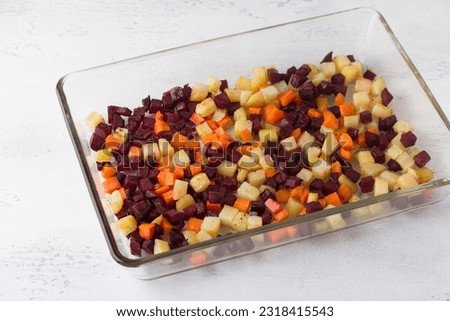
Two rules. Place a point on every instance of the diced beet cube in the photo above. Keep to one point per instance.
(369, 75)
(340, 89)
(371, 139)
(135, 248)
(223, 84)
(383, 141)
(256, 124)
(233, 156)
(297, 80)
(155, 105)
(319, 136)
(103, 130)
(316, 123)
(216, 193)
(148, 246)
(338, 79)
(266, 217)
(222, 101)
(316, 183)
(145, 184)
(274, 75)
(187, 91)
(173, 216)
(408, 139)
(390, 135)
(378, 155)
(137, 197)
(118, 121)
(146, 102)
(351, 58)
(143, 171)
(351, 174)
(328, 57)
(422, 159)
(142, 133)
(330, 187)
(211, 172)
(304, 70)
(139, 209)
(292, 70)
(153, 175)
(386, 96)
(96, 142)
(389, 122)
(335, 111)
(176, 239)
(200, 206)
(130, 182)
(326, 88)
(229, 199)
(266, 194)
(139, 111)
(189, 212)
(353, 133)
(393, 165)
(334, 177)
(257, 206)
(366, 184)
(365, 116)
(232, 107)
(121, 213)
(292, 182)
(116, 110)
(308, 91)
(230, 183)
(312, 207)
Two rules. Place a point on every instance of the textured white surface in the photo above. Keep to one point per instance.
(51, 244)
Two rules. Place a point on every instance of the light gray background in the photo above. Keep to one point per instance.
(51, 245)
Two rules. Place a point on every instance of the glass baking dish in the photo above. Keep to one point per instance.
(362, 32)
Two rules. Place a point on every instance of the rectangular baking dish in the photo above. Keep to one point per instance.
(362, 32)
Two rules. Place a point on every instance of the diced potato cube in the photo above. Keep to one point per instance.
(371, 169)
(350, 73)
(380, 186)
(190, 236)
(181, 158)
(317, 78)
(165, 148)
(281, 86)
(321, 169)
(314, 70)
(313, 154)
(184, 202)
(393, 152)
(293, 207)
(377, 87)
(243, 83)
(402, 126)
(363, 85)
(179, 189)
(115, 201)
(289, 143)
(351, 121)
(211, 225)
(121, 134)
(256, 178)
(254, 221)
(206, 107)
(202, 236)
(335, 221)
(266, 162)
(227, 168)
(199, 182)
(260, 74)
(390, 177)
(248, 192)
(269, 93)
(240, 222)
(328, 68)
(424, 175)
(405, 161)
(127, 224)
(160, 246)
(256, 100)
(381, 111)
(358, 66)
(365, 157)
(203, 129)
(219, 114)
(343, 179)
(103, 155)
(233, 94)
(361, 99)
(397, 142)
(306, 175)
(240, 125)
(341, 62)
(93, 119)
(151, 149)
(213, 84)
(245, 95)
(312, 197)
(330, 144)
(227, 215)
(240, 115)
(199, 92)
(241, 175)
(248, 163)
(268, 135)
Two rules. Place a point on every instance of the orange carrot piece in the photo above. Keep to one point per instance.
(297, 191)
(212, 124)
(361, 140)
(270, 172)
(135, 152)
(281, 215)
(147, 230)
(111, 184)
(287, 97)
(322, 202)
(246, 135)
(347, 109)
(346, 154)
(195, 169)
(272, 114)
(283, 195)
(329, 120)
(225, 122)
(333, 199)
(339, 99)
(196, 119)
(123, 193)
(213, 207)
(220, 132)
(197, 258)
(108, 171)
(178, 172)
(272, 205)
(161, 190)
(210, 138)
(242, 204)
(313, 113)
(168, 197)
(336, 168)
(346, 141)
(344, 192)
(373, 130)
(254, 110)
(304, 196)
(160, 126)
(159, 115)
(194, 224)
(322, 103)
(167, 227)
(276, 236)
(112, 142)
(296, 133)
(298, 100)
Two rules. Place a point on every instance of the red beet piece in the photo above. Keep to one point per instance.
(312, 207)
(422, 159)
(222, 101)
(173, 216)
(365, 116)
(351, 58)
(266, 217)
(335, 111)
(274, 75)
(393, 165)
(340, 89)
(328, 57)
(371, 139)
(229, 199)
(378, 155)
(351, 174)
(369, 75)
(96, 142)
(338, 79)
(155, 105)
(103, 130)
(223, 84)
(326, 88)
(366, 184)
(408, 139)
(386, 96)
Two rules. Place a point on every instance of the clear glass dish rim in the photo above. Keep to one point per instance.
(102, 216)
